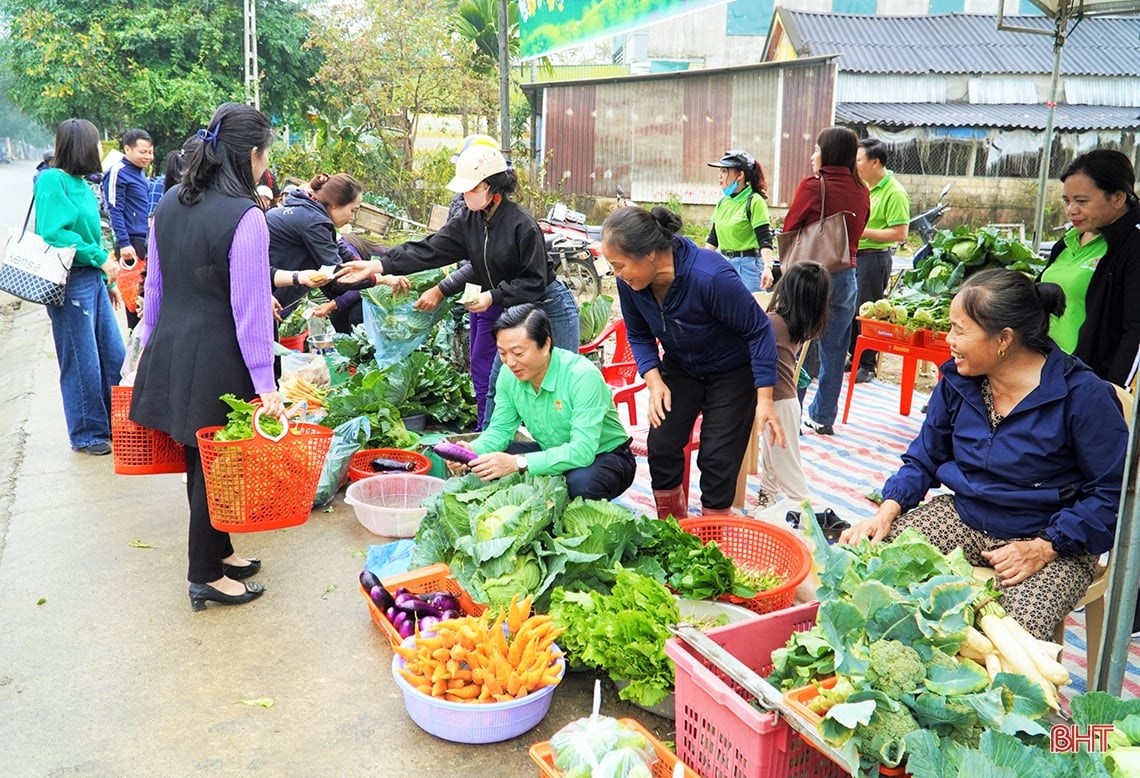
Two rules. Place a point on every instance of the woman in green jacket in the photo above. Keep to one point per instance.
(740, 228)
(88, 342)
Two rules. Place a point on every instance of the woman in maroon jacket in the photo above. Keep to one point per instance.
(834, 161)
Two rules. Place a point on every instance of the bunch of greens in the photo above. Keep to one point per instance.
(913, 308)
(427, 383)
(596, 537)
(959, 253)
(693, 569)
(295, 323)
(239, 421)
(368, 393)
(489, 535)
(593, 317)
(622, 633)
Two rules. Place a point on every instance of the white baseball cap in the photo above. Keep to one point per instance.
(475, 165)
(264, 191)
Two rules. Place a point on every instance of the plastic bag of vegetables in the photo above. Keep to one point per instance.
(601, 747)
(395, 328)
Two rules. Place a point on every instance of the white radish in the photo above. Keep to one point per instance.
(969, 653)
(1014, 654)
(993, 665)
(1053, 650)
(1050, 669)
(978, 642)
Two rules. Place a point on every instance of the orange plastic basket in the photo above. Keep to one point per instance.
(433, 578)
(543, 755)
(359, 469)
(798, 699)
(129, 281)
(259, 484)
(294, 342)
(140, 450)
(761, 546)
(889, 331)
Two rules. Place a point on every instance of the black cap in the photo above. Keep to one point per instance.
(737, 158)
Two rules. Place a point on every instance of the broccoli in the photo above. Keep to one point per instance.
(882, 739)
(895, 668)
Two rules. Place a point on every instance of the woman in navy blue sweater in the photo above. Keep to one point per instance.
(719, 354)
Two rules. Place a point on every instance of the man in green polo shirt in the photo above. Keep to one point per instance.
(886, 227)
(566, 406)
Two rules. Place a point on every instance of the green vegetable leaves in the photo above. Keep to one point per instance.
(239, 421)
(959, 253)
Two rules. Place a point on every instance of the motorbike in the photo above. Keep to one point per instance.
(575, 247)
(924, 225)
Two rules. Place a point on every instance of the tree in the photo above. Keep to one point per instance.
(388, 62)
(163, 66)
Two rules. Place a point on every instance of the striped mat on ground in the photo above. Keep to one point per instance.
(842, 468)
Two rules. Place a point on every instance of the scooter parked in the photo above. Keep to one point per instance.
(575, 248)
(924, 225)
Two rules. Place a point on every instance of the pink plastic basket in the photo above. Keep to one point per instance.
(720, 734)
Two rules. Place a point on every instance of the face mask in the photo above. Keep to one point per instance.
(730, 189)
(477, 201)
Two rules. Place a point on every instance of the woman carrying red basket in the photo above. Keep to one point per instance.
(208, 323)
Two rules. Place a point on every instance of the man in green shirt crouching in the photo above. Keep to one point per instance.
(566, 406)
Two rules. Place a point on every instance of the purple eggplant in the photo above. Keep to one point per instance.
(412, 604)
(381, 597)
(441, 601)
(428, 622)
(368, 580)
(454, 453)
(390, 613)
(448, 614)
(400, 621)
(407, 628)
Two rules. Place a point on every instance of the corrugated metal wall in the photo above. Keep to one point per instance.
(654, 136)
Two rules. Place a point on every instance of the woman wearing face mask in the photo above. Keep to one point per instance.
(740, 227)
(303, 245)
(507, 252)
(1098, 265)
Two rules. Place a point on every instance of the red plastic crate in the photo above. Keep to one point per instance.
(884, 329)
(720, 733)
(798, 700)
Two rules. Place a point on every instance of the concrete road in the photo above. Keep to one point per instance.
(104, 669)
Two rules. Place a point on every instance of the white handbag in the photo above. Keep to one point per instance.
(31, 269)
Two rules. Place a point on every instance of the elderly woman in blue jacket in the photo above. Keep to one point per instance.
(1030, 441)
(703, 346)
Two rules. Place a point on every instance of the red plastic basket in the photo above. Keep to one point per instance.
(358, 468)
(140, 450)
(294, 342)
(761, 546)
(543, 755)
(129, 280)
(259, 484)
(719, 732)
(888, 331)
(433, 578)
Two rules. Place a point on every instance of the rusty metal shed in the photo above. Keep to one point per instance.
(654, 134)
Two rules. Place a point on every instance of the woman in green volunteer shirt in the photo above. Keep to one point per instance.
(566, 406)
(1098, 265)
(740, 228)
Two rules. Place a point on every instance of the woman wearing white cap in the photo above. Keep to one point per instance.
(507, 253)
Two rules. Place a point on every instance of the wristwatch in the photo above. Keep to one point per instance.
(296, 278)
(520, 463)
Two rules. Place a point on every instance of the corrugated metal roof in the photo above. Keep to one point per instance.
(1068, 118)
(964, 43)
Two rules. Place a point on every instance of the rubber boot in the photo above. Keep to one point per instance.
(706, 511)
(671, 502)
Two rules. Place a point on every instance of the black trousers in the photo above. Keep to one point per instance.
(872, 274)
(728, 402)
(207, 546)
(606, 478)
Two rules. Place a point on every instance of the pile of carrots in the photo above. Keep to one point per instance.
(296, 389)
(474, 659)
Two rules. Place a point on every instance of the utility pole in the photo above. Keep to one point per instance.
(252, 78)
(504, 83)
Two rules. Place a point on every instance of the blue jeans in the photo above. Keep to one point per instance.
(749, 270)
(90, 352)
(833, 347)
(560, 308)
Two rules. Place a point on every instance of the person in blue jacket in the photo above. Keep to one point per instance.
(1031, 443)
(126, 190)
(702, 344)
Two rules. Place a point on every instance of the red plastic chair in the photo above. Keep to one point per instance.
(640, 448)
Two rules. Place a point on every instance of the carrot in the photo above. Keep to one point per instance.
(514, 684)
(438, 688)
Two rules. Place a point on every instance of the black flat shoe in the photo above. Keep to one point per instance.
(243, 572)
(200, 594)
